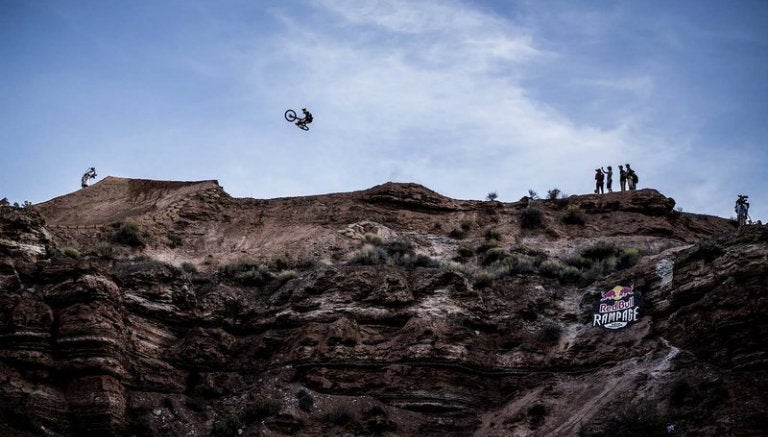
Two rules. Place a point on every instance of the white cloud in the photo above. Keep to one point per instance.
(432, 92)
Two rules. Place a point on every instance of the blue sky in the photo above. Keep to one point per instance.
(464, 97)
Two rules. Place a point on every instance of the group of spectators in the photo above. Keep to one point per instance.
(627, 178)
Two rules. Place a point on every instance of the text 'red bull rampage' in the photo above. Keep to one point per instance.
(618, 308)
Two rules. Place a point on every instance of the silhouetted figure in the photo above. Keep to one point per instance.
(623, 178)
(609, 178)
(303, 122)
(742, 209)
(631, 177)
(599, 179)
(90, 174)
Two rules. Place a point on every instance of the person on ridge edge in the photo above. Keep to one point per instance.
(599, 179)
(609, 181)
(90, 174)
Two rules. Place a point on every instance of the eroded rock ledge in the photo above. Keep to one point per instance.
(471, 338)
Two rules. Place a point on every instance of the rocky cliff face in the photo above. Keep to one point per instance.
(169, 308)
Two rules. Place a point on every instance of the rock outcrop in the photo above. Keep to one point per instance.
(160, 308)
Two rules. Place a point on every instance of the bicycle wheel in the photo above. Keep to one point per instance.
(290, 115)
(304, 127)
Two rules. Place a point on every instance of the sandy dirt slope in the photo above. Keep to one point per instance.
(115, 199)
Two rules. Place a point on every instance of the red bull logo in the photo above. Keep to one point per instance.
(616, 293)
(617, 308)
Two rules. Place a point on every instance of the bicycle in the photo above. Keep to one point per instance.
(291, 116)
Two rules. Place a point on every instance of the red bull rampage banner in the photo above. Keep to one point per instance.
(618, 308)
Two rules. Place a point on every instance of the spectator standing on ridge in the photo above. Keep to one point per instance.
(599, 178)
(742, 209)
(609, 182)
(90, 174)
(622, 178)
(631, 177)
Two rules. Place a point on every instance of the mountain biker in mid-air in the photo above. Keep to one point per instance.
(303, 122)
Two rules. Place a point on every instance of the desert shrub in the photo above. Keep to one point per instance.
(255, 276)
(138, 264)
(606, 265)
(550, 333)
(468, 270)
(175, 240)
(494, 254)
(339, 415)
(369, 255)
(260, 408)
(282, 262)
(536, 413)
(524, 264)
(578, 261)
(246, 273)
(552, 268)
(466, 225)
(511, 265)
(492, 196)
(377, 421)
(72, 252)
(492, 234)
(465, 252)
(188, 267)
(418, 260)
(375, 411)
(678, 391)
(570, 274)
(627, 258)
(597, 270)
(573, 215)
(457, 234)
(531, 218)
(306, 262)
(286, 275)
(372, 238)
(104, 250)
(601, 259)
(553, 193)
(399, 248)
(483, 279)
(306, 401)
(486, 246)
(600, 250)
(129, 234)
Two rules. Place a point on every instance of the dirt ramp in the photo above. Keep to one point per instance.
(115, 199)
